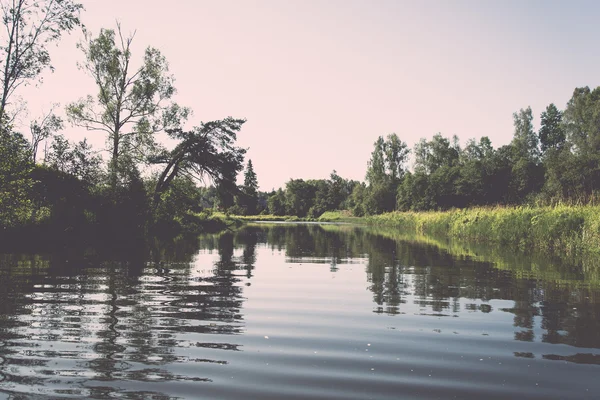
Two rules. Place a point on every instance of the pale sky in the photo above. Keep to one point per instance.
(319, 81)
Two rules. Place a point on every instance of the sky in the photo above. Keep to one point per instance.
(319, 81)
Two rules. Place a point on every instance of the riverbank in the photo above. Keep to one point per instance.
(569, 230)
(328, 216)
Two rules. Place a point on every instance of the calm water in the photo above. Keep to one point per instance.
(293, 312)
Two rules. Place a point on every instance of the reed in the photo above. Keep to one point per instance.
(569, 229)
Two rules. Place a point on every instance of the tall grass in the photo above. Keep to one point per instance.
(569, 229)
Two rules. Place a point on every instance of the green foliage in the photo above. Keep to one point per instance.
(299, 196)
(31, 25)
(43, 128)
(248, 198)
(436, 153)
(78, 160)
(276, 203)
(178, 205)
(207, 150)
(339, 216)
(552, 134)
(15, 181)
(385, 172)
(570, 230)
(357, 200)
(61, 200)
(131, 105)
(376, 165)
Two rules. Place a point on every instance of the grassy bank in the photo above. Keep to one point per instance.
(328, 216)
(570, 230)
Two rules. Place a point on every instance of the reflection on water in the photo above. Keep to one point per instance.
(294, 311)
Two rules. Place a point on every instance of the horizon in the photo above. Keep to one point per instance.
(319, 82)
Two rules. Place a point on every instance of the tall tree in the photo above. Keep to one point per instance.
(30, 25)
(527, 175)
(376, 165)
(396, 155)
(299, 197)
(580, 120)
(552, 133)
(131, 105)
(525, 141)
(276, 202)
(250, 189)
(15, 181)
(433, 154)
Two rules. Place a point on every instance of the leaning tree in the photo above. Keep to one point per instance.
(206, 151)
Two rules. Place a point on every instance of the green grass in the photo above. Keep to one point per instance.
(339, 216)
(270, 218)
(570, 230)
(328, 216)
(214, 221)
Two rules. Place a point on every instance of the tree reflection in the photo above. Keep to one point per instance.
(436, 281)
(130, 317)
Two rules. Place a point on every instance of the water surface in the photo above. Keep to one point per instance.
(294, 312)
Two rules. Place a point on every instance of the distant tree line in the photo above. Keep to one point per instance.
(559, 162)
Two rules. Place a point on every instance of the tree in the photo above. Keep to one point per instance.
(396, 155)
(60, 156)
(436, 174)
(250, 189)
(473, 183)
(338, 191)
(527, 175)
(207, 150)
(525, 141)
(41, 129)
(581, 121)
(376, 165)
(15, 182)
(575, 169)
(299, 197)
(384, 174)
(551, 134)
(78, 160)
(276, 202)
(131, 106)
(433, 154)
(31, 25)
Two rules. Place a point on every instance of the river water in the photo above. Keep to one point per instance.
(296, 311)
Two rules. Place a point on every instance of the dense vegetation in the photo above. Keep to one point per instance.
(560, 162)
(70, 192)
(143, 187)
(571, 231)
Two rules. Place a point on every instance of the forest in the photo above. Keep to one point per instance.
(53, 188)
(559, 163)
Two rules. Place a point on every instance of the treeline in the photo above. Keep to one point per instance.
(53, 189)
(561, 161)
(558, 162)
(302, 198)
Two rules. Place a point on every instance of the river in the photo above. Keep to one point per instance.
(294, 311)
